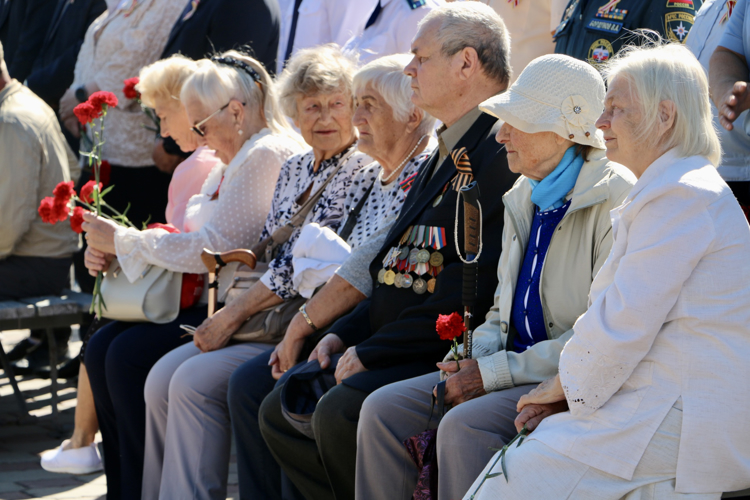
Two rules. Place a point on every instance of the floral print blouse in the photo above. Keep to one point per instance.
(296, 177)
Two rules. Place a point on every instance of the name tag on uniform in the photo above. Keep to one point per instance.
(604, 25)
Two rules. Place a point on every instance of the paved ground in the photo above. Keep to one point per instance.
(22, 444)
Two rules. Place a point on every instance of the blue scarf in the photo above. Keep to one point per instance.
(549, 193)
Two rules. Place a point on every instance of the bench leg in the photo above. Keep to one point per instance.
(12, 377)
(53, 370)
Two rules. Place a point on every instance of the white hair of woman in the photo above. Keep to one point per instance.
(215, 83)
(669, 72)
(386, 75)
(475, 25)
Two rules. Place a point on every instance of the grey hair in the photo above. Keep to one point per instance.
(214, 84)
(386, 75)
(659, 72)
(318, 70)
(475, 25)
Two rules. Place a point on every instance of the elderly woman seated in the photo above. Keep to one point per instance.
(233, 106)
(660, 356)
(557, 235)
(186, 392)
(394, 132)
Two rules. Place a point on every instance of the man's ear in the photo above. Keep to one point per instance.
(468, 61)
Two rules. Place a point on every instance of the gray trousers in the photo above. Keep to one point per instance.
(188, 431)
(466, 436)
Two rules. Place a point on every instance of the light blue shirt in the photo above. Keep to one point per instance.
(707, 33)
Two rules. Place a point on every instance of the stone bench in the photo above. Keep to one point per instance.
(44, 313)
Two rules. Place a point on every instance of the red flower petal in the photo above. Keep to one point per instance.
(77, 219)
(87, 191)
(103, 98)
(449, 326)
(129, 89)
(105, 170)
(84, 112)
(45, 210)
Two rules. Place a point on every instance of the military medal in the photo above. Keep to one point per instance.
(406, 280)
(419, 286)
(436, 259)
(431, 285)
(381, 276)
(398, 281)
(404, 253)
(413, 253)
(389, 277)
(423, 256)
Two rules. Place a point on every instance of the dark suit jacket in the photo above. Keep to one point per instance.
(394, 330)
(219, 25)
(23, 24)
(52, 72)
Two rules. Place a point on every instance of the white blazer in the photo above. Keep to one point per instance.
(668, 317)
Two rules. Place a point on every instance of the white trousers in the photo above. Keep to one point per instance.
(536, 471)
(188, 432)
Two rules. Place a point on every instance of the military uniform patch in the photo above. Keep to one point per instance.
(600, 51)
(680, 4)
(677, 25)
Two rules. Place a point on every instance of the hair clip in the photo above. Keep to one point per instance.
(235, 63)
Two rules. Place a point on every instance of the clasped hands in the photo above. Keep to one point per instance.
(466, 384)
(331, 344)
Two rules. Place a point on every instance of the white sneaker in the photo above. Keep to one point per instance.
(73, 461)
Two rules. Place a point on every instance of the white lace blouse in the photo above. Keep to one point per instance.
(233, 220)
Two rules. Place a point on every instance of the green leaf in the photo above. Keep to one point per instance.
(502, 466)
(106, 190)
(490, 476)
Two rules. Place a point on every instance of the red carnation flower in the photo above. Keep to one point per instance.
(450, 326)
(129, 88)
(105, 170)
(60, 209)
(77, 219)
(87, 191)
(86, 113)
(167, 227)
(63, 192)
(45, 210)
(103, 98)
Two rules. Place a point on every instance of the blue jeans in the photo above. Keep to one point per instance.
(118, 358)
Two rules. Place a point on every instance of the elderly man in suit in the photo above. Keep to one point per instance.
(461, 57)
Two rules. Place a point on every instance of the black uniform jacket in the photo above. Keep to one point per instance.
(23, 24)
(594, 30)
(394, 330)
(220, 25)
(52, 72)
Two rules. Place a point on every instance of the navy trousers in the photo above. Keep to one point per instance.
(118, 358)
(259, 474)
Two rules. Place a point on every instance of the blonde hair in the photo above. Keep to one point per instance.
(386, 75)
(322, 69)
(162, 81)
(659, 72)
(214, 84)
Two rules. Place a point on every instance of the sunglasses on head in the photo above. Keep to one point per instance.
(197, 127)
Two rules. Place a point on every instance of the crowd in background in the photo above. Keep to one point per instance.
(336, 138)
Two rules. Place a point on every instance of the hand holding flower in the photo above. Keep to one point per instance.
(462, 384)
(100, 233)
(96, 261)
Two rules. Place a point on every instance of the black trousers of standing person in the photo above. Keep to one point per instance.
(118, 358)
(26, 277)
(322, 468)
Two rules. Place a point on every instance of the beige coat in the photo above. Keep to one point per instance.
(579, 247)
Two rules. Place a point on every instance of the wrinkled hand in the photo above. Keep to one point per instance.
(285, 355)
(548, 392)
(164, 161)
(462, 385)
(100, 233)
(215, 332)
(734, 102)
(328, 345)
(348, 365)
(96, 261)
(533, 414)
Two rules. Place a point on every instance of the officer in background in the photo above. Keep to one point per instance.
(594, 30)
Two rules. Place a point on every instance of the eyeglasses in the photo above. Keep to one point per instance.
(197, 127)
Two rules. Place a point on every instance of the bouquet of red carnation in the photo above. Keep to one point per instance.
(450, 327)
(131, 92)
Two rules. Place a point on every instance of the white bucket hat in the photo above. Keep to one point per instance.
(555, 93)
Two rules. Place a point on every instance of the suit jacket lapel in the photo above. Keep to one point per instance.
(62, 7)
(429, 186)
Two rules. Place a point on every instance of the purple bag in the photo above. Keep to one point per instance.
(422, 450)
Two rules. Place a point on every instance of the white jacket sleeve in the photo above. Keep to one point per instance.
(665, 241)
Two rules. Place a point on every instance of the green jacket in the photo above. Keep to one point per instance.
(578, 248)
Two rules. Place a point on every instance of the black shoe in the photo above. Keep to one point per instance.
(24, 348)
(67, 370)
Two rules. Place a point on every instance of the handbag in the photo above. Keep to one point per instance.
(422, 448)
(154, 296)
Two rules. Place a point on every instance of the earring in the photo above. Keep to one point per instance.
(239, 132)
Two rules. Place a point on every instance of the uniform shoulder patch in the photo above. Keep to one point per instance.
(677, 25)
(680, 4)
(415, 4)
(600, 52)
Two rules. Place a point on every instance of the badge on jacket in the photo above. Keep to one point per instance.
(415, 4)
(680, 4)
(600, 52)
(677, 25)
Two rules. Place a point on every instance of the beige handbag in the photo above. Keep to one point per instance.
(154, 296)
